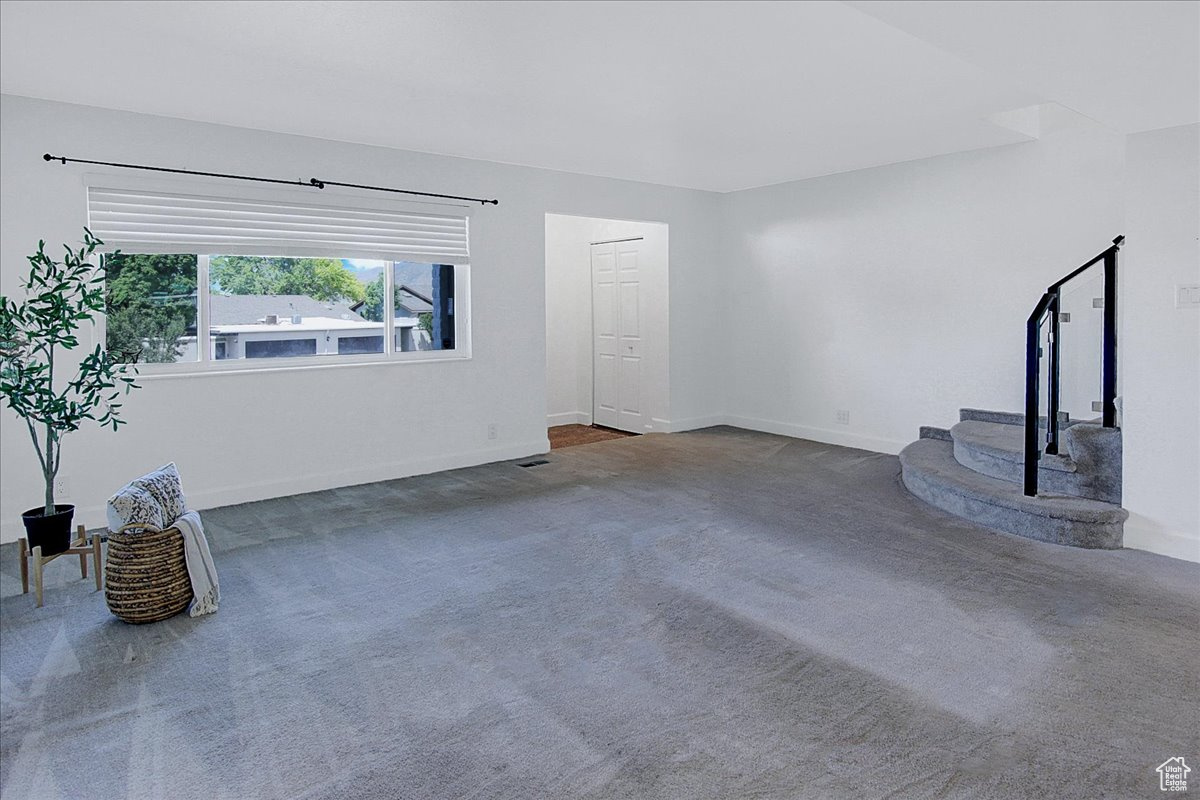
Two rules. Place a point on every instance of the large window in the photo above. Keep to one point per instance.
(265, 307)
(209, 282)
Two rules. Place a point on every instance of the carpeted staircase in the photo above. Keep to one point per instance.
(974, 470)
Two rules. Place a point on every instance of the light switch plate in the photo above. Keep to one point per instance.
(1187, 295)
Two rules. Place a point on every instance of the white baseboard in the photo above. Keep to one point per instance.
(694, 423)
(569, 418)
(94, 516)
(1143, 534)
(824, 435)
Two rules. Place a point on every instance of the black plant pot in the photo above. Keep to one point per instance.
(51, 533)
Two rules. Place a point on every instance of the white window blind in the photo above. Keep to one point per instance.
(138, 221)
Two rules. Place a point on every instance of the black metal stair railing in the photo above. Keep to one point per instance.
(1049, 308)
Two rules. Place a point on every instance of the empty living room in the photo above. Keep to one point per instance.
(675, 400)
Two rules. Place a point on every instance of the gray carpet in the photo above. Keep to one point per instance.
(719, 614)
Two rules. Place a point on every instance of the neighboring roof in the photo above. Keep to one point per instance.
(408, 298)
(413, 300)
(248, 309)
(285, 325)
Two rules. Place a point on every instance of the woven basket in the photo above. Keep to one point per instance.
(145, 574)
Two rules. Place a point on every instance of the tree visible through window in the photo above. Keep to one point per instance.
(151, 307)
(319, 278)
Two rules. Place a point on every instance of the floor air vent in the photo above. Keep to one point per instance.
(536, 463)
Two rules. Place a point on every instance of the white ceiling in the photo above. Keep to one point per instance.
(1133, 66)
(716, 95)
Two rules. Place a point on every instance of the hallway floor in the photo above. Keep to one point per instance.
(572, 435)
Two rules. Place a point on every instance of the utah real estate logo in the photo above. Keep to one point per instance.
(1172, 775)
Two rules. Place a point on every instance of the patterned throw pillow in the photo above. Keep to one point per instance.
(133, 505)
(165, 486)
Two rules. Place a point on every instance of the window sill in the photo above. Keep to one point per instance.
(158, 372)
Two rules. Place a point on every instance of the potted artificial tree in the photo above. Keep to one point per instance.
(60, 297)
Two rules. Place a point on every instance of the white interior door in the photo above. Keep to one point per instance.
(617, 312)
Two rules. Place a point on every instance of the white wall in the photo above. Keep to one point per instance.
(1159, 344)
(569, 341)
(568, 320)
(250, 436)
(900, 293)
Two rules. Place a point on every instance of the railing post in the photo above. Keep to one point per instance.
(1109, 375)
(1053, 379)
(1033, 335)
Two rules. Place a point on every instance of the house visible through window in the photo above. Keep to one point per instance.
(360, 344)
(262, 307)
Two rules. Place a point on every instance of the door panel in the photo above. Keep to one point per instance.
(630, 316)
(606, 389)
(631, 385)
(605, 309)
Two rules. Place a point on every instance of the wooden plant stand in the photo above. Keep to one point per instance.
(80, 547)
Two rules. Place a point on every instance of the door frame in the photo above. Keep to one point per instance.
(657, 414)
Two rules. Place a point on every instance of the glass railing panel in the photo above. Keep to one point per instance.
(1044, 382)
(1081, 344)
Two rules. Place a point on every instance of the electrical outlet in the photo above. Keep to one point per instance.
(843, 417)
(492, 431)
(1187, 295)
(62, 487)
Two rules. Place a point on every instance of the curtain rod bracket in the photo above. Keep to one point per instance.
(312, 182)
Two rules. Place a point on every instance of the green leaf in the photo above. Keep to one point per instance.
(60, 297)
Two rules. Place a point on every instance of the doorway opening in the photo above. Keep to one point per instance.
(573, 434)
(607, 328)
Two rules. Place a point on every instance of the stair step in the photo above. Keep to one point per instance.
(1004, 444)
(931, 472)
(998, 451)
(1007, 417)
(931, 432)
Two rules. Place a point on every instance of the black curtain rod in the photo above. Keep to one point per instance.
(311, 182)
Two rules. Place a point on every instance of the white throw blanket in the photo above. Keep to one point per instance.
(200, 566)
